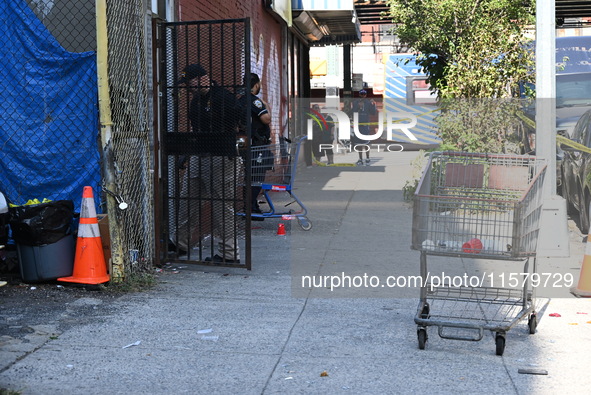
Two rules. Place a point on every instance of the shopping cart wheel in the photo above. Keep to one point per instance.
(425, 311)
(500, 342)
(532, 322)
(422, 335)
(304, 223)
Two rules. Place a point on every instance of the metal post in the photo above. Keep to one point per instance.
(546, 90)
(347, 90)
(117, 266)
(553, 237)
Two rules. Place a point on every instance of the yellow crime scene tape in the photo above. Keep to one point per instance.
(574, 144)
(520, 114)
(30, 202)
(529, 122)
(559, 139)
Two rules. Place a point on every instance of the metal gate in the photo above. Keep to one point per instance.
(204, 68)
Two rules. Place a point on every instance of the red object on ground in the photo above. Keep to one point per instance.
(474, 246)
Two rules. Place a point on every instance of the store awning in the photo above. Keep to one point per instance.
(326, 22)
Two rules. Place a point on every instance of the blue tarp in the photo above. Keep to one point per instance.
(48, 112)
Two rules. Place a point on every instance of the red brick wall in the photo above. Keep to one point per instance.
(266, 44)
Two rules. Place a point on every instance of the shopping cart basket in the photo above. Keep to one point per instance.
(274, 169)
(484, 206)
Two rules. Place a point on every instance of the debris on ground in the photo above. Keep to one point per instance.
(542, 372)
(137, 343)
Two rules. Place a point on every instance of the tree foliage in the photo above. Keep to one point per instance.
(475, 54)
(468, 48)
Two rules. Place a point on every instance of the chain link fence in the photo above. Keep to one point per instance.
(49, 125)
(129, 46)
(48, 117)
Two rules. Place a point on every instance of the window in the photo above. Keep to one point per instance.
(418, 92)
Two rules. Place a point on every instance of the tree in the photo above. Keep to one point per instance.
(469, 49)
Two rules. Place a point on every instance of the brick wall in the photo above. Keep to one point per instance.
(266, 44)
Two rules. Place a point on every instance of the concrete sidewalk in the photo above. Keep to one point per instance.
(231, 331)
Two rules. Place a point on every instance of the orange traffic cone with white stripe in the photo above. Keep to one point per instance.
(583, 289)
(89, 262)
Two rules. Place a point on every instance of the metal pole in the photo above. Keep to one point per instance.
(546, 90)
(347, 91)
(553, 236)
(117, 266)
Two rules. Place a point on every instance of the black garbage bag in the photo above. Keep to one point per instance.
(40, 224)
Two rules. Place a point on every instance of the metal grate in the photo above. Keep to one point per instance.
(492, 201)
(205, 65)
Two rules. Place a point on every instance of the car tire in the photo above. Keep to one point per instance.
(564, 192)
(584, 213)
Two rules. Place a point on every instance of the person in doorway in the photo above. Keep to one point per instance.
(210, 177)
(365, 109)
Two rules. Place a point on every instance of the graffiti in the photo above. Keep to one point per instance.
(273, 76)
(265, 62)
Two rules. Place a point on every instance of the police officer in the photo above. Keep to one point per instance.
(262, 158)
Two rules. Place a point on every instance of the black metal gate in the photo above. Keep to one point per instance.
(204, 67)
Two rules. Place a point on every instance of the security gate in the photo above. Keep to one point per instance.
(205, 66)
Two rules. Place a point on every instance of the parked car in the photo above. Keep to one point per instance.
(576, 173)
(573, 95)
(573, 98)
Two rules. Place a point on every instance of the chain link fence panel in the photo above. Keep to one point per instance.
(48, 117)
(49, 123)
(129, 45)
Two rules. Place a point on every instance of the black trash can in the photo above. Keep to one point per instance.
(44, 241)
(47, 262)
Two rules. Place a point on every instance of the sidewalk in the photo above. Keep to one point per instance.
(230, 331)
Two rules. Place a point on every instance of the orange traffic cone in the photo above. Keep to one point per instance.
(583, 289)
(89, 262)
(281, 229)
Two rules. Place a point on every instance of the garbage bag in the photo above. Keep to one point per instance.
(40, 224)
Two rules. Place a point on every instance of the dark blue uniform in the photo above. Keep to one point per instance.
(261, 133)
(262, 158)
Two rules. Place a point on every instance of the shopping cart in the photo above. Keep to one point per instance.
(484, 206)
(274, 169)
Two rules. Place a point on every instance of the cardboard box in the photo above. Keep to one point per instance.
(103, 223)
